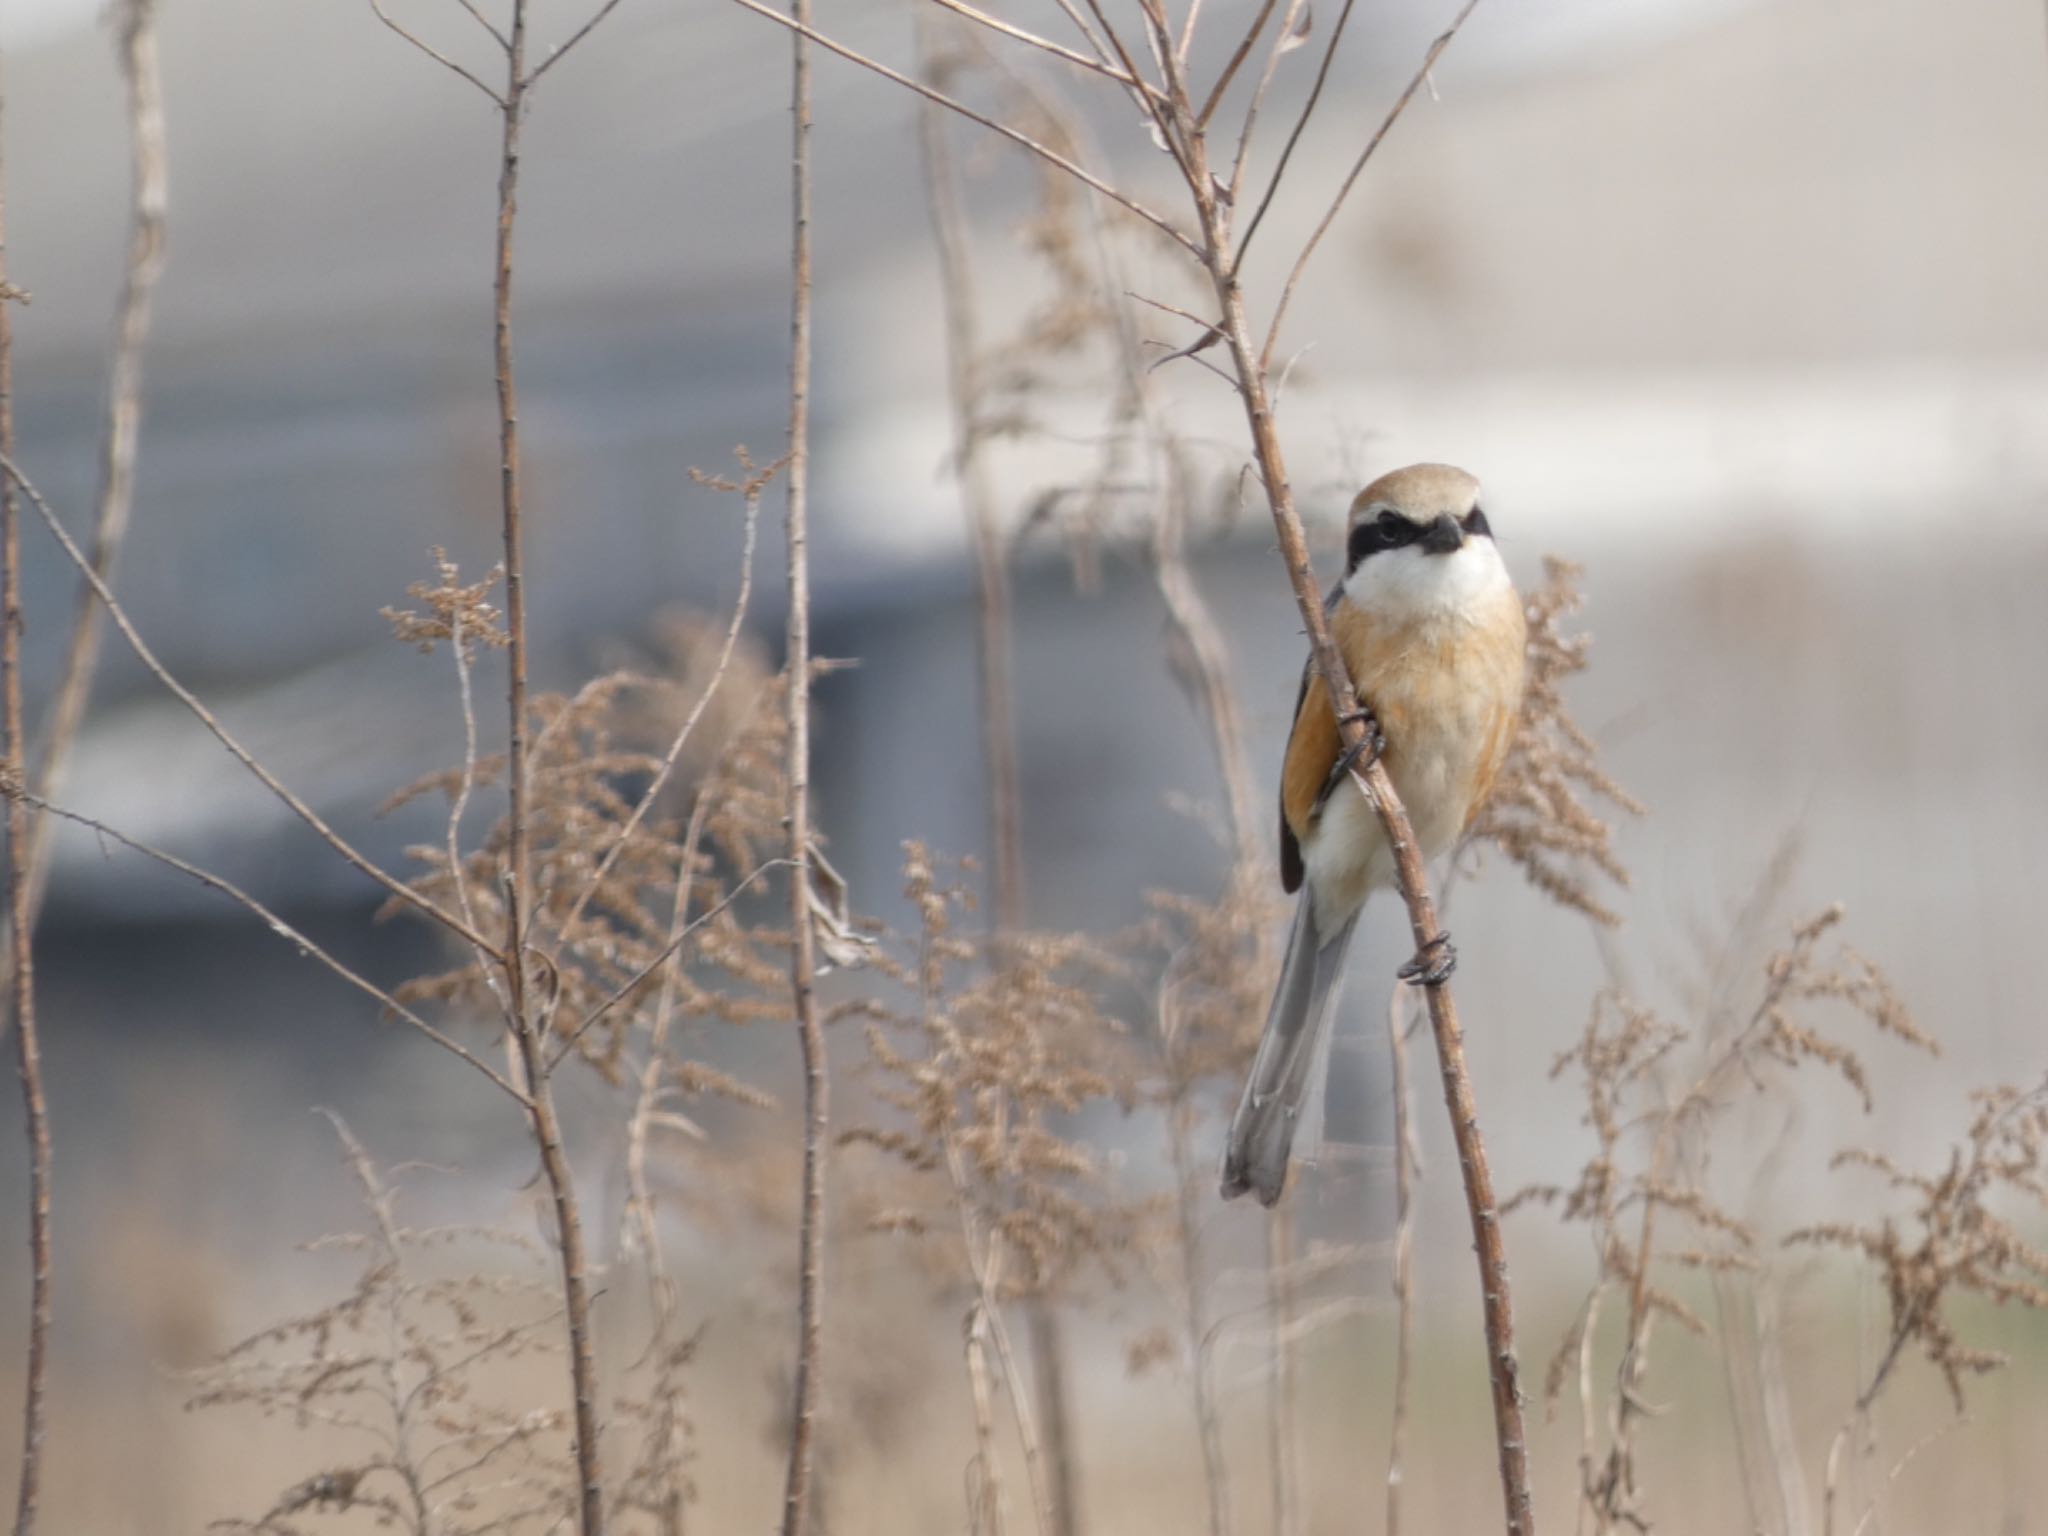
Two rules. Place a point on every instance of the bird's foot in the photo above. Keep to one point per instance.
(1362, 753)
(1433, 963)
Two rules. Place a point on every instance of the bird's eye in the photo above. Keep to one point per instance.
(1476, 523)
(1391, 521)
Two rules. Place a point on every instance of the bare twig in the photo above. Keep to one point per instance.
(1308, 109)
(1407, 1162)
(797, 1486)
(136, 33)
(459, 647)
(277, 925)
(1284, 1446)
(1032, 39)
(556, 55)
(526, 1022)
(1372, 145)
(1023, 140)
(1237, 58)
(675, 942)
(1248, 125)
(439, 57)
(689, 726)
(27, 1045)
(206, 717)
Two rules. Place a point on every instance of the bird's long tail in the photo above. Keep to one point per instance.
(1297, 1032)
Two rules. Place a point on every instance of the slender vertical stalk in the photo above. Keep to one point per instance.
(995, 648)
(136, 37)
(1405, 1161)
(1195, 1313)
(28, 1056)
(528, 1027)
(1283, 1444)
(797, 1489)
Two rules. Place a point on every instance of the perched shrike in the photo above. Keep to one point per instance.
(1433, 634)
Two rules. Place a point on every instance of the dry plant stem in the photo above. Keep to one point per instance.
(803, 29)
(1351, 178)
(1308, 109)
(991, 568)
(965, 379)
(136, 30)
(27, 1046)
(405, 1461)
(1032, 39)
(985, 1497)
(283, 930)
(527, 1027)
(1411, 878)
(460, 804)
(1406, 1162)
(312, 818)
(1194, 1283)
(797, 1484)
(1284, 1448)
(727, 646)
(1035, 1470)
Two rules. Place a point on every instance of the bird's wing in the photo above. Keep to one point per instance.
(1291, 869)
(1311, 752)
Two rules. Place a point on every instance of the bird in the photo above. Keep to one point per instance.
(1434, 636)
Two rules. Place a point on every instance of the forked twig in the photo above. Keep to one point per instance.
(149, 198)
(206, 717)
(1372, 145)
(277, 925)
(436, 54)
(1051, 156)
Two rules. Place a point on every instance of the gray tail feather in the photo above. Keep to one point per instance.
(1262, 1130)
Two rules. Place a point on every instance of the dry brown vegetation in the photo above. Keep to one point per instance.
(639, 872)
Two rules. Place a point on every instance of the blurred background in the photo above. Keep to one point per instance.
(1739, 305)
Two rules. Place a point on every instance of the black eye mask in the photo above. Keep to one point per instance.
(1390, 530)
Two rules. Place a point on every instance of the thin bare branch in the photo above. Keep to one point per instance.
(1247, 128)
(136, 35)
(435, 54)
(21, 990)
(1050, 156)
(487, 24)
(276, 925)
(727, 646)
(1393, 116)
(1308, 109)
(1407, 1163)
(797, 1494)
(1237, 58)
(148, 657)
(676, 940)
(529, 1016)
(1057, 50)
(456, 807)
(556, 55)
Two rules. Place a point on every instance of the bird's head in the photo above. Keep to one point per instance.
(1418, 542)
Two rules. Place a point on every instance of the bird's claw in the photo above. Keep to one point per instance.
(1362, 753)
(1433, 963)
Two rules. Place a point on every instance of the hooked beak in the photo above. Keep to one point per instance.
(1445, 536)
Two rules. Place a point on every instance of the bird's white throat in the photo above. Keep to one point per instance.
(1410, 583)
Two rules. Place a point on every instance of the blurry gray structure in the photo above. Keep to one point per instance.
(1739, 305)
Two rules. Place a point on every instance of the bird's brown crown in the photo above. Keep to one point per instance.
(1421, 493)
